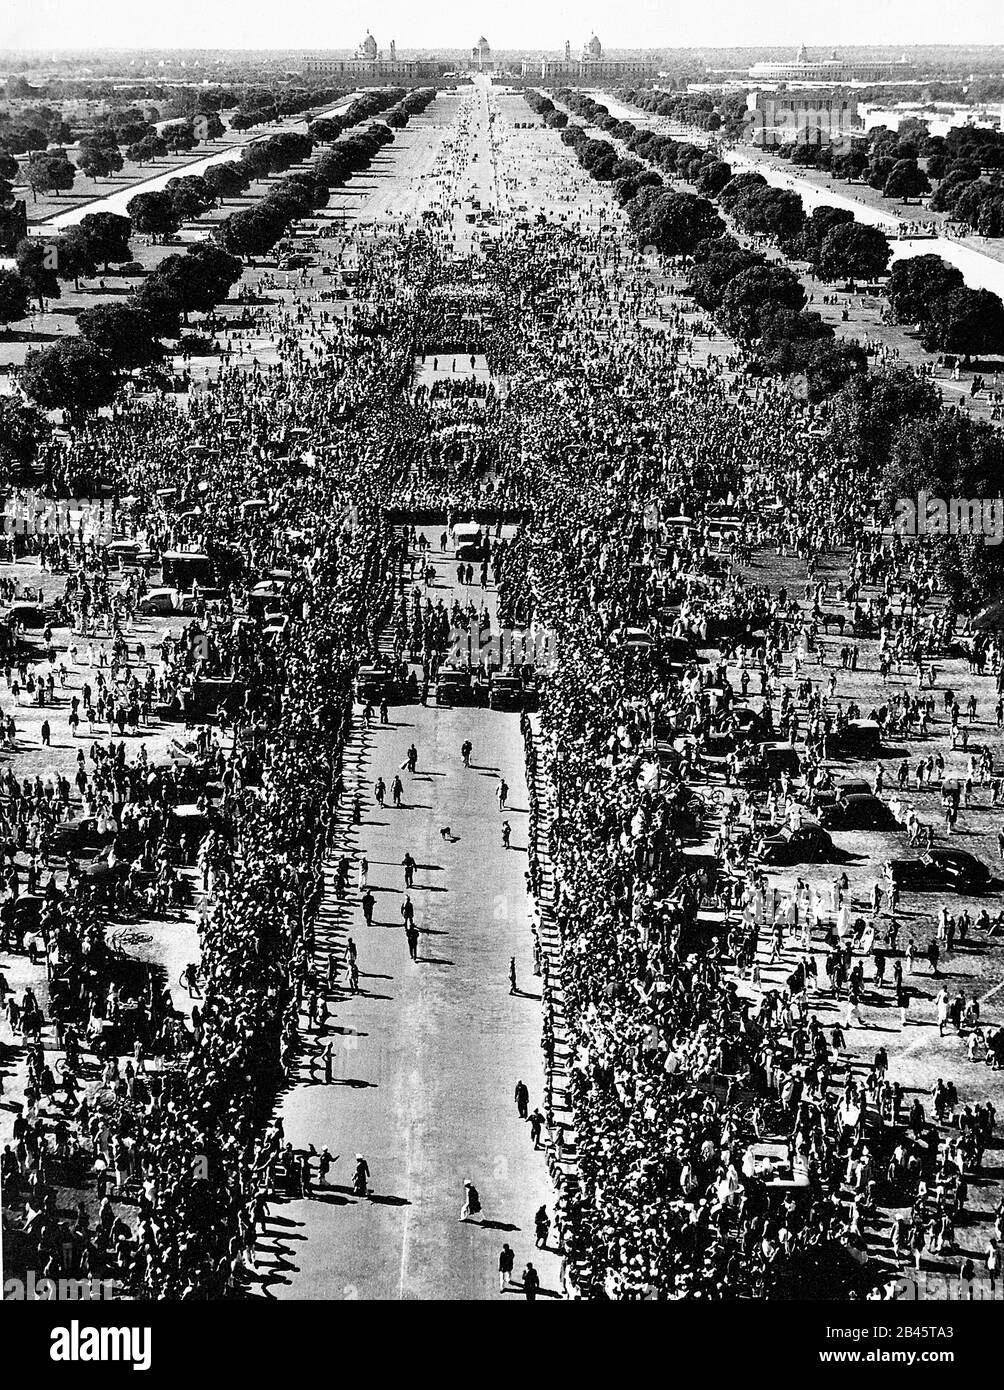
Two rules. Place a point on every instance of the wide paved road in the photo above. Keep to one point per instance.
(428, 1053)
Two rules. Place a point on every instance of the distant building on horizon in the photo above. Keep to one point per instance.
(832, 70)
(481, 56)
(591, 69)
(803, 118)
(371, 67)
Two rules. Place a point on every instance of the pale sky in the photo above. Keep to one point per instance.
(517, 24)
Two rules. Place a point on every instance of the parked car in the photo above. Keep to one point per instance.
(506, 692)
(857, 811)
(941, 869)
(469, 541)
(454, 687)
(375, 683)
(861, 738)
(156, 602)
(809, 844)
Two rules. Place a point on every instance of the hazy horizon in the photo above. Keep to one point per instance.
(230, 26)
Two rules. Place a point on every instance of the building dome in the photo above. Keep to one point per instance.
(368, 47)
(594, 48)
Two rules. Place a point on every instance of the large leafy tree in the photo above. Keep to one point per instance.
(965, 321)
(107, 236)
(866, 413)
(72, 376)
(158, 295)
(100, 162)
(851, 165)
(50, 172)
(673, 223)
(906, 180)
(252, 231)
(74, 256)
(808, 244)
(225, 180)
(855, 250)
(36, 262)
(154, 214)
(15, 298)
(125, 333)
(22, 429)
(754, 296)
(916, 282)
(830, 365)
(773, 212)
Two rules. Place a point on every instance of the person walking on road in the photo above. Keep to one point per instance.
(512, 974)
(506, 834)
(412, 762)
(536, 1125)
(531, 1283)
(522, 1098)
(472, 1202)
(412, 933)
(409, 865)
(369, 902)
(380, 791)
(408, 911)
(467, 748)
(542, 1226)
(397, 790)
(502, 792)
(507, 1262)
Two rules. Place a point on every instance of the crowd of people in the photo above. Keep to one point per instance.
(647, 472)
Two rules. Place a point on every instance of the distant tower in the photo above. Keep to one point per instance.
(802, 56)
(393, 51)
(568, 50)
(482, 55)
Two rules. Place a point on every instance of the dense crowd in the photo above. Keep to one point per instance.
(645, 473)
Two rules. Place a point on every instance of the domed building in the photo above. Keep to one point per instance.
(591, 68)
(481, 55)
(369, 66)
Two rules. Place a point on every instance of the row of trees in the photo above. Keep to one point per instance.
(99, 239)
(888, 425)
(972, 200)
(762, 305)
(82, 374)
(726, 113)
(265, 106)
(758, 302)
(254, 231)
(956, 319)
(927, 292)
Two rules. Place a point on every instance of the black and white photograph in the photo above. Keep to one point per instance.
(502, 654)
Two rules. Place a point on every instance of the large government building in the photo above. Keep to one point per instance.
(803, 118)
(372, 65)
(832, 70)
(591, 68)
